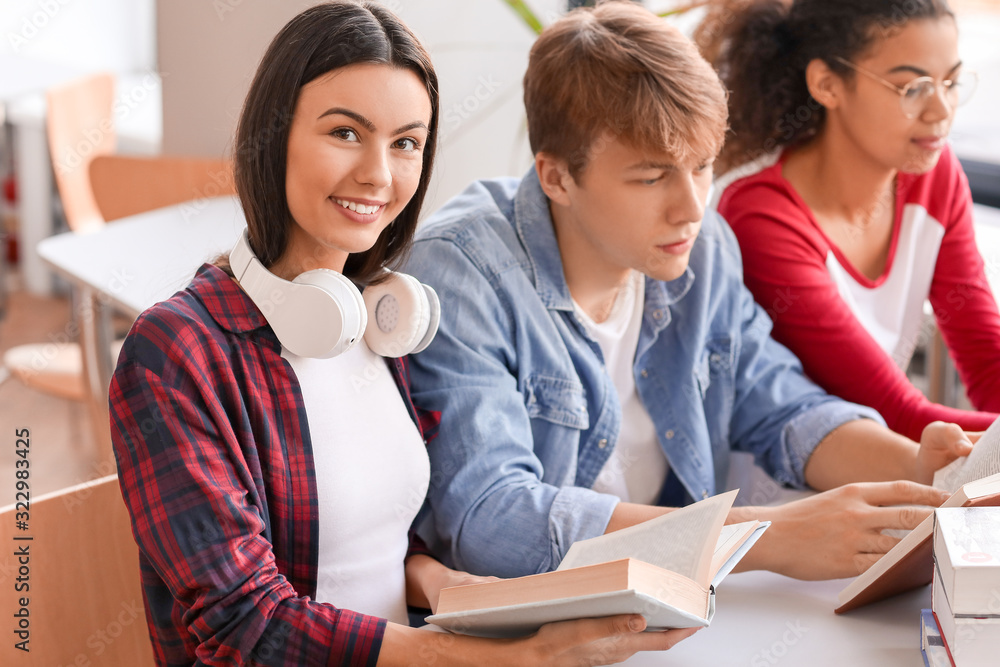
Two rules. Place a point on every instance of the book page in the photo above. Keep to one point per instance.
(983, 461)
(730, 539)
(722, 567)
(682, 541)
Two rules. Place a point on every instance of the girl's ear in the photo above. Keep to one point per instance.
(553, 173)
(824, 84)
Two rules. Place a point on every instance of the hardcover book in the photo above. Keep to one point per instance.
(973, 481)
(665, 569)
(967, 553)
(971, 640)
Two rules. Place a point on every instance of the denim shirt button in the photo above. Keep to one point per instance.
(603, 443)
(704, 494)
(644, 373)
(669, 434)
(657, 314)
(715, 358)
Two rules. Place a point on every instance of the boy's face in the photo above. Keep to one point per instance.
(635, 209)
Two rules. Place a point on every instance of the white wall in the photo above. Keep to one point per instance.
(480, 50)
(209, 51)
(115, 35)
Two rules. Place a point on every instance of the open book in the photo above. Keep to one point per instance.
(665, 569)
(973, 481)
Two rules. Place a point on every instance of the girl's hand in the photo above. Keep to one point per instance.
(940, 444)
(591, 641)
(597, 641)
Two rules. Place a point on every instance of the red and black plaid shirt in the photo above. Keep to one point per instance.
(215, 465)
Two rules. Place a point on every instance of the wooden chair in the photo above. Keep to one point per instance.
(126, 185)
(96, 186)
(84, 601)
(79, 126)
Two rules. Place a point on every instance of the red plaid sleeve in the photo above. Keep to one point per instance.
(193, 480)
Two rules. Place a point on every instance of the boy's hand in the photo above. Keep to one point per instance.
(838, 533)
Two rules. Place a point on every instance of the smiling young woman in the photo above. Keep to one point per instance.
(272, 480)
(850, 208)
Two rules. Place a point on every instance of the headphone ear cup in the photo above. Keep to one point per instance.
(435, 319)
(400, 314)
(323, 326)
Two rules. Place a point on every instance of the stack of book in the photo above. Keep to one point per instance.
(972, 481)
(966, 591)
(931, 645)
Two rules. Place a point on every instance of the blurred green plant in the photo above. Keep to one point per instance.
(522, 9)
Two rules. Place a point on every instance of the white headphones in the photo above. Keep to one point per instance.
(322, 314)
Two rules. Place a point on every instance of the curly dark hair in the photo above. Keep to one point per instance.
(761, 49)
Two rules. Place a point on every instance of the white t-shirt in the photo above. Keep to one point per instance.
(372, 473)
(637, 467)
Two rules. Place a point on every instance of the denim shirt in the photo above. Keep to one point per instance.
(529, 414)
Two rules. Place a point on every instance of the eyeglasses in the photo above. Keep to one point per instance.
(914, 96)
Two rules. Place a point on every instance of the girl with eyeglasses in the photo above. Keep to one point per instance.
(849, 205)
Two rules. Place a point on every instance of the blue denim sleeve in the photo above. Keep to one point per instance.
(779, 415)
(490, 511)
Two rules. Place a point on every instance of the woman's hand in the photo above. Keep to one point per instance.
(592, 641)
(940, 444)
(597, 641)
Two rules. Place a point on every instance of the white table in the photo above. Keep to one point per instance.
(137, 261)
(133, 263)
(764, 619)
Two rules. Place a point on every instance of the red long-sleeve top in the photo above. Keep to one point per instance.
(809, 288)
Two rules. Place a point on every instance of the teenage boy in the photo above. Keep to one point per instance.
(598, 356)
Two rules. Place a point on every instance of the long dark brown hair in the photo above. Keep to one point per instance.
(321, 39)
(761, 49)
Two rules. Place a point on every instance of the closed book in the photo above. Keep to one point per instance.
(665, 569)
(932, 647)
(967, 552)
(971, 641)
(910, 563)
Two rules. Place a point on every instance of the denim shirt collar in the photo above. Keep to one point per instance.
(538, 237)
